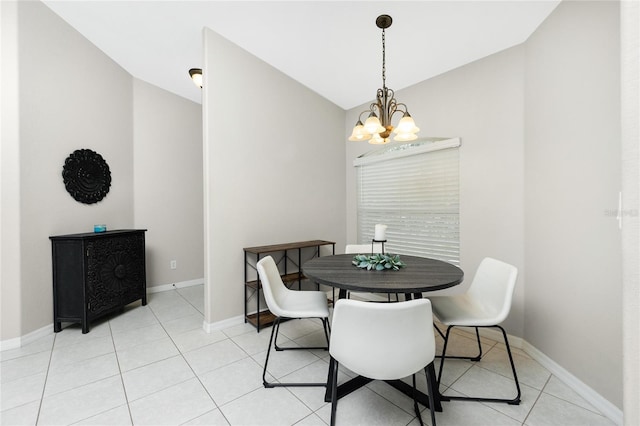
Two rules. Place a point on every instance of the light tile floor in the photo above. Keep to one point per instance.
(154, 365)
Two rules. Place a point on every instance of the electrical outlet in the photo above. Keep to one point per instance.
(173, 264)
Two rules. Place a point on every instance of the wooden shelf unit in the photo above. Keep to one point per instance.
(262, 318)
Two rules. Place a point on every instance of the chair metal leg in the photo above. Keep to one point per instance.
(327, 329)
(333, 366)
(325, 325)
(443, 357)
(513, 401)
(415, 401)
(266, 361)
(330, 386)
(479, 346)
(431, 390)
(274, 332)
(470, 358)
(438, 330)
(516, 400)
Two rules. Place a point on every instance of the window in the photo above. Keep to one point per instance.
(413, 189)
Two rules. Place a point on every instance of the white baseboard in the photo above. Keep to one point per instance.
(18, 342)
(173, 286)
(607, 409)
(8, 344)
(219, 325)
(600, 403)
(206, 326)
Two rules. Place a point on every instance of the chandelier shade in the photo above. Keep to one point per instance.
(377, 127)
(372, 125)
(359, 133)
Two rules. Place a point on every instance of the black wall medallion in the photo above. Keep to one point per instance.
(86, 176)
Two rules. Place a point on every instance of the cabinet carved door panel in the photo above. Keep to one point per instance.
(115, 267)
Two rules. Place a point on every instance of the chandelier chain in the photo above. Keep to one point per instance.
(384, 66)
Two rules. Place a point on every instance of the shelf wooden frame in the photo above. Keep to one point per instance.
(263, 317)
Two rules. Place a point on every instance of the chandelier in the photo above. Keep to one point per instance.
(377, 127)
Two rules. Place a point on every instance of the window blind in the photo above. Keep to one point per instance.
(414, 190)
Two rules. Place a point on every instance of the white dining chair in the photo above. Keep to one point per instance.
(382, 341)
(289, 304)
(486, 303)
(374, 248)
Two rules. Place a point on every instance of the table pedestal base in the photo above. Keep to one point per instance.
(360, 381)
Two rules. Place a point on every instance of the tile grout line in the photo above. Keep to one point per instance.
(124, 389)
(44, 386)
(188, 301)
(312, 412)
(537, 399)
(189, 365)
(142, 366)
(591, 410)
(108, 377)
(476, 364)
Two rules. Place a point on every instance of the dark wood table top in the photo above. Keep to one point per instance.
(420, 275)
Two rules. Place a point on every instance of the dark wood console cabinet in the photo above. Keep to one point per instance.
(95, 274)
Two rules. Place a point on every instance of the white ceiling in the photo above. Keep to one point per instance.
(332, 47)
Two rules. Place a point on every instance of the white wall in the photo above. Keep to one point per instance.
(482, 103)
(10, 306)
(71, 96)
(167, 132)
(274, 156)
(630, 88)
(61, 93)
(540, 173)
(573, 175)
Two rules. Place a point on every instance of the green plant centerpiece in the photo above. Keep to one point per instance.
(378, 261)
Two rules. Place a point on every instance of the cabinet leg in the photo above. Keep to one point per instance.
(85, 327)
(57, 326)
(144, 300)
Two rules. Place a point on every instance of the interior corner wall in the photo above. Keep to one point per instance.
(71, 96)
(573, 175)
(540, 175)
(168, 183)
(630, 88)
(274, 155)
(482, 103)
(10, 307)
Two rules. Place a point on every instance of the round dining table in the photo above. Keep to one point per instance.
(419, 275)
